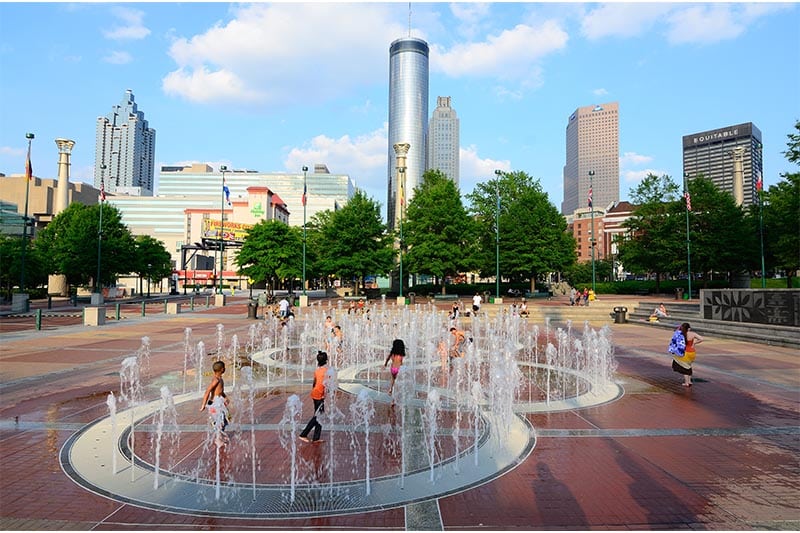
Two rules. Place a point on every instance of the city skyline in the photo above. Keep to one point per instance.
(290, 96)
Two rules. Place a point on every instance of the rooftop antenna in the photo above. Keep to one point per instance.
(409, 19)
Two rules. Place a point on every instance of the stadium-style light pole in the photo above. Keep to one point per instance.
(305, 200)
(28, 178)
(222, 169)
(759, 191)
(497, 173)
(687, 200)
(591, 233)
(100, 227)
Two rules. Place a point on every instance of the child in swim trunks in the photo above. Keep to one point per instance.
(217, 401)
(396, 355)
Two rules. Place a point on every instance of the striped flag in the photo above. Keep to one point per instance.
(590, 196)
(759, 183)
(28, 166)
(688, 200)
(102, 189)
(304, 194)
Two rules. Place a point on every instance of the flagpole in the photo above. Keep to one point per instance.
(759, 191)
(305, 170)
(28, 178)
(222, 169)
(100, 227)
(686, 198)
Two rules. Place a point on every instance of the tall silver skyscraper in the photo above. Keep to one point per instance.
(125, 146)
(592, 145)
(713, 154)
(408, 117)
(443, 139)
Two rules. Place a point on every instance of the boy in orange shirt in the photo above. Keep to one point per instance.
(318, 396)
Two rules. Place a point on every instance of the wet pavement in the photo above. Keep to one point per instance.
(722, 454)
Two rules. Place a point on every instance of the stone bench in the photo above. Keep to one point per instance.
(445, 296)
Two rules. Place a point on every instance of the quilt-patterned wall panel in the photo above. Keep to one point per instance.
(775, 306)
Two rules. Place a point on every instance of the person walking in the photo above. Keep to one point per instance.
(682, 347)
(318, 397)
(476, 303)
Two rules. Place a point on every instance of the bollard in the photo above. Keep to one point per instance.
(38, 319)
(117, 309)
(142, 307)
(165, 307)
(208, 299)
(49, 301)
(191, 303)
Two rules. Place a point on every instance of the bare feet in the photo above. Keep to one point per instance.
(318, 441)
(687, 384)
(304, 439)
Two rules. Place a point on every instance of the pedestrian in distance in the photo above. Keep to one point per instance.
(318, 397)
(476, 303)
(682, 347)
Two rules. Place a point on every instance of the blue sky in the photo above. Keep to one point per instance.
(275, 86)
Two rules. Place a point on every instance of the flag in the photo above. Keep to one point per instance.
(227, 192)
(304, 194)
(28, 167)
(759, 183)
(688, 201)
(590, 196)
(102, 190)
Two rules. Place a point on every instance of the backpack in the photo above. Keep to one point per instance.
(677, 345)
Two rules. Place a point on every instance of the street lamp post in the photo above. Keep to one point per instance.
(149, 268)
(591, 232)
(686, 199)
(497, 173)
(28, 178)
(759, 191)
(100, 227)
(401, 151)
(222, 169)
(305, 192)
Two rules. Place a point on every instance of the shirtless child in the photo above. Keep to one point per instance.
(217, 402)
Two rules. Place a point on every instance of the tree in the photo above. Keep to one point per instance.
(656, 237)
(354, 241)
(11, 264)
(437, 231)
(152, 260)
(271, 252)
(70, 244)
(793, 152)
(532, 234)
(782, 224)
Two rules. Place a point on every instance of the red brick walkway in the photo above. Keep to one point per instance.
(720, 455)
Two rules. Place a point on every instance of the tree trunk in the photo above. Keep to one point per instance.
(533, 283)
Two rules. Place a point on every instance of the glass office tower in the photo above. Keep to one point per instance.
(408, 117)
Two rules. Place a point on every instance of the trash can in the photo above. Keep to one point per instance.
(679, 293)
(412, 298)
(252, 309)
(619, 315)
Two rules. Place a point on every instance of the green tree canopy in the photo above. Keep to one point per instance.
(70, 244)
(437, 231)
(152, 260)
(11, 264)
(353, 242)
(271, 252)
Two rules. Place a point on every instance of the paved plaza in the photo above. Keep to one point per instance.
(722, 454)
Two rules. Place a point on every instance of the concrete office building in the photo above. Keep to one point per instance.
(408, 117)
(443, 139)
(592, 138)
(125, 150)
(713, 154)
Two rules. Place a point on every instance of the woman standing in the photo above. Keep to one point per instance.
(682, 348)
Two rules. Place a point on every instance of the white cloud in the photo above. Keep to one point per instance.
(472, 17)
(271, 52)
(511, 55)
(117, 57)
(474, 169)
(635, 176)
(362, 157)
(600, 92)
(621, 19)
(131, 27)
(633, 159)
(15, 152)
(704, 24)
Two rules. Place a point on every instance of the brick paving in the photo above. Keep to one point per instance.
(722, 454)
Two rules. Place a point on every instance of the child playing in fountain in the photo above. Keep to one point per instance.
(396, 355)
(318, 397)
(217, 402)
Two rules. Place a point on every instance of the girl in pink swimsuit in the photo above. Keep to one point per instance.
(396, 355)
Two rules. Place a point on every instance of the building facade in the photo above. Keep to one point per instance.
(580, 224)
(125, 150)
(713, 154)
(408, 117)
(443, 140)
(592, 139)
